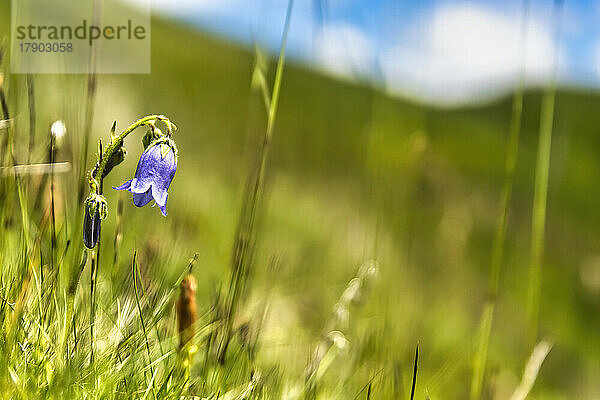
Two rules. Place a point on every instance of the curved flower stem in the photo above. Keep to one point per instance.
(95, 180)
(117, 141)
(93, 278)
(498, 245)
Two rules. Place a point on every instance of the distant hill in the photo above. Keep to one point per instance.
(344, 154)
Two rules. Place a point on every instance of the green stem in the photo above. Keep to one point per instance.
(117, 141)
(542, 170)
(136, 273)
(245, 228)
(512, 151)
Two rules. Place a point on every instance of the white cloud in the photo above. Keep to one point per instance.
(344, 49)
(457, 52)
(463, 51)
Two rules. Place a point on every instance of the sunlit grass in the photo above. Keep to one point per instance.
(540, 196)
(351, 174)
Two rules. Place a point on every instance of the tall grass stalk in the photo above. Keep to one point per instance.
(90, 101)
(8, 151)
(510, 163)
(136, 275)
(32, 114)
(5, 114)
(94, 266)
(242, 248)
(52, 156)
(92, 81)
(118, 233)
(542, 169)
(414, 378)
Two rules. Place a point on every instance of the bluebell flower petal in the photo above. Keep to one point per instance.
(153, 175)
(166, 172)
(160, 196)
(147, 156)
(140, 200)
(124, 186)
(140, 185)
(163, 209)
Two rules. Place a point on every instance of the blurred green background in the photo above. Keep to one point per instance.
(354, 175)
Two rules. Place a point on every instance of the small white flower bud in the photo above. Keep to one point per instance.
(58, 130)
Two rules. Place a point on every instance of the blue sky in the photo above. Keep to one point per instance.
(437, 51)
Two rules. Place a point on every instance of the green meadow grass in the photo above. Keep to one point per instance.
(353, 175)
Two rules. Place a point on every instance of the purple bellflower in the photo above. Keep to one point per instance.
(153, 174)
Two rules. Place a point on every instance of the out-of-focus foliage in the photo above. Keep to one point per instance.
(354, 175)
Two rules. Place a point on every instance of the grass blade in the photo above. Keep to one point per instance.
(245, 230)
(414, 378)
(512, 150)
(542, 169)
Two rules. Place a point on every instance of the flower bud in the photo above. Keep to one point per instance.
(58, 130)
(115, 159)
(95, 212)
(186, 310)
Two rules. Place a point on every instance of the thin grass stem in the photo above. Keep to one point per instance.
(32, 114)
(136, 273)
(415, 370)
(245, 230)
(512, 150)
(542, 171)
(52, 151)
